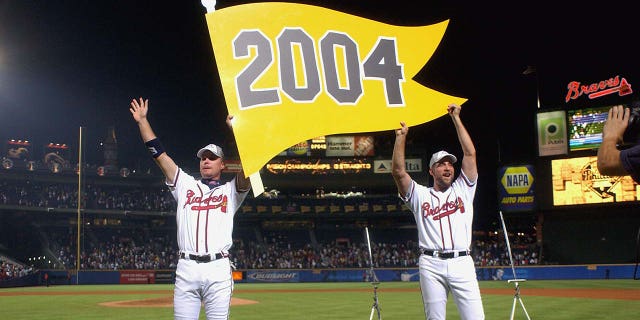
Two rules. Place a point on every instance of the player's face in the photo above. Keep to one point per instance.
(211, 165)
(443, 173)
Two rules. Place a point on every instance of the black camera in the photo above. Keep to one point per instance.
(632, 133)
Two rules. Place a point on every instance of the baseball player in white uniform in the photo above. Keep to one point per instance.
(205, 211)
(444, 215)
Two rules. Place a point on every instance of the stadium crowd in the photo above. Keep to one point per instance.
(132, 246)
(159, 199)
(137, 251)
(57, 195)
(11, 270)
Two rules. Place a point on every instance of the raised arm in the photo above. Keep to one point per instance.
(469, 164)
(398, 166)
(242, 183)
(609, 162)
(139, 109)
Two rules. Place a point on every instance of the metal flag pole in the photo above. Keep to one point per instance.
(515, 280)
(375, 308)
(635, 271)
(79, 213)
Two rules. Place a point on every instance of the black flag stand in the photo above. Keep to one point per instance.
(373, 279)
(635, 271)
(515, 280)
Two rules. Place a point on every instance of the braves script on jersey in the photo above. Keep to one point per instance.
(444, 219)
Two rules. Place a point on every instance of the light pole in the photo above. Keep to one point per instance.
(532, 70)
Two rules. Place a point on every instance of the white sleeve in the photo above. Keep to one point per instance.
(407, 197)
(236, 197)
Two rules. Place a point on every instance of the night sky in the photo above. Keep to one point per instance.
(66, 64)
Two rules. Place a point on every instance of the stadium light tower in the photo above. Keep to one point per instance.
(532, 70)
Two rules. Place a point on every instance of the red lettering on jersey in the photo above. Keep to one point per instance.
(446, 209)
(461, 205)
(212, 202)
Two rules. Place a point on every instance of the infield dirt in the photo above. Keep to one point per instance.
(167, 300)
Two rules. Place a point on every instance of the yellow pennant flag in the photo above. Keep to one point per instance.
(291, 72)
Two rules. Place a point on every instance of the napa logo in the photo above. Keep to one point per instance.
(517, 180)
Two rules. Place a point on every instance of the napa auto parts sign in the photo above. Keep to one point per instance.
(516, 191)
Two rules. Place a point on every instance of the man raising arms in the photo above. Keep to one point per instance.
(444, 217)
(205, 211)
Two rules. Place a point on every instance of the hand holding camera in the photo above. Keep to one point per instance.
(631, 134)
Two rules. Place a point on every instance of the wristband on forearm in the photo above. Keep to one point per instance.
(155, 147)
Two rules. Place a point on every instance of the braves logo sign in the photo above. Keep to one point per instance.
(446, 209)
(599, 89)
(209, 203)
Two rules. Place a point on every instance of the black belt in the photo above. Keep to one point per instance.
(203, 258)
(446, 255)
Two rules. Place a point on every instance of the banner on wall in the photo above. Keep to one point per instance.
(384, 166)
(516, 188)
(301, 149)
(291, 72)
(165, 276)
(552, 133)
(137, 277)
(350, 146)
(319, 166)
(278, 276)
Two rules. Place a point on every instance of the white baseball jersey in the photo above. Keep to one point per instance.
(204, 216)
(444, 219)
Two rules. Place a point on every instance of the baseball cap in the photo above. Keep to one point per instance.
(213, 148)
(438, 156)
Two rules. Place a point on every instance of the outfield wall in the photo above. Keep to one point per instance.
(572, 272)
(497, 273)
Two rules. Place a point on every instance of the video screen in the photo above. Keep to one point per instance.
(585, 127)
(577, 181)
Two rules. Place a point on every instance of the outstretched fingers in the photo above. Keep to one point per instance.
(138, 108)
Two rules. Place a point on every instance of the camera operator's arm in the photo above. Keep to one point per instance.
(609, 162)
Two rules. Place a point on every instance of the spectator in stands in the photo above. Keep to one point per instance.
(203, 274)
(611, 160)
(444, 217)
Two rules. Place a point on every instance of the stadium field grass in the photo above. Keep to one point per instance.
(397, 300)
